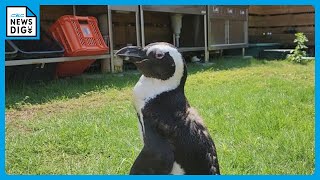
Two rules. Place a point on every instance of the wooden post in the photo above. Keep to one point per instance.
(105, 65)
(103, 25)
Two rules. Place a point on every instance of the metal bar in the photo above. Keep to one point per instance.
(245, 32)
(137, 27)
(227, 46)
(227, 25)
(188, 49)
(246, 28)
(184, 9)
(111, 39)
(206, 52)
(142, 26)
(124, 8)
(243, 52)
(209, 34)
(278, 50)
(53, 60)
(74, 10)
(233, 44)
(174, 39)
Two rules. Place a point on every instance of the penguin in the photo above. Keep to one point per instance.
(175, 138)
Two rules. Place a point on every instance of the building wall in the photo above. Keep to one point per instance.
(279, 23)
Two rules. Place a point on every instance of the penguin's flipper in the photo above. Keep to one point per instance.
(153, 161)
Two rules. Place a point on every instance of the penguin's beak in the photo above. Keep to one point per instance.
(132, 53)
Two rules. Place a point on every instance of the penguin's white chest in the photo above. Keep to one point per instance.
(143, 91)
(147, 89)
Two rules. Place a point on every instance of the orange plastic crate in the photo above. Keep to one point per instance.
(80, 35)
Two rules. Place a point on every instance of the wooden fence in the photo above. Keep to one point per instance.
(280, 23)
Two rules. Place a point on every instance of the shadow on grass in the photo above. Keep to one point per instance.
(227, 64)
(20, 93)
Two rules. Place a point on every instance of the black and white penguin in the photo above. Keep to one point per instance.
(175, 138)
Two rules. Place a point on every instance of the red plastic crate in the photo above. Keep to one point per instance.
(72, 68)
(80, 35)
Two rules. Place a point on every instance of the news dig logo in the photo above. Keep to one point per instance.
(21, 22)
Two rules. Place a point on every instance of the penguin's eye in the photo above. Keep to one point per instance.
(159, 55)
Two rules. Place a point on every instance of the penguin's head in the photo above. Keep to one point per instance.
(157, 60)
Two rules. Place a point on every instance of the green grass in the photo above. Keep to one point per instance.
(259, 113)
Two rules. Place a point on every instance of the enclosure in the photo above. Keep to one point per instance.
(258, 107)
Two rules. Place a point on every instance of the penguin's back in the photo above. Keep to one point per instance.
(194, 148)
(170, 116)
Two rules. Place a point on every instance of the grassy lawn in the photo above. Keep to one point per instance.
(260, 114)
